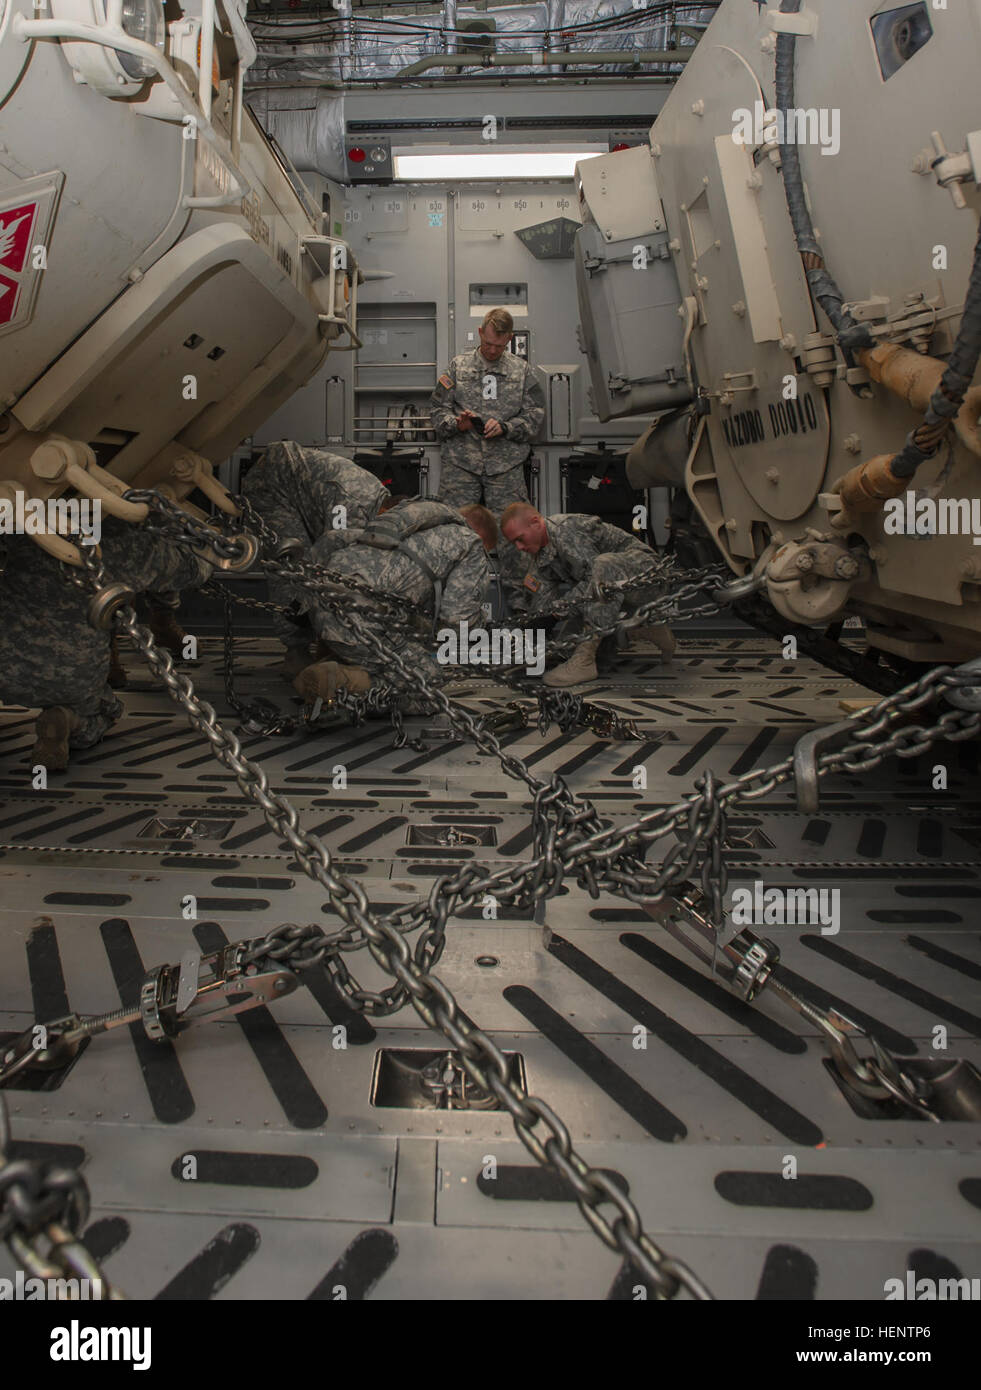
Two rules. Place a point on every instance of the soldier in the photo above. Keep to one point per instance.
(423, 551)
(301, 493)
(487, 410)
(51, 656)
(573, 555)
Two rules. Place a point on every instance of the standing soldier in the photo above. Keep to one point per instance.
(486, 410)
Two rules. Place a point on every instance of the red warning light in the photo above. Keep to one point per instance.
(357, 155)
(621, 146)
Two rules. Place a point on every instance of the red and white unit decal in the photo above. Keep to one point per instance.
(16, 226)
(26, 217)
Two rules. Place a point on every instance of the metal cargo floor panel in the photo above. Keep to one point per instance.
(305, 1184)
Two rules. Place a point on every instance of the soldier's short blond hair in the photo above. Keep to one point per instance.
(498, 319)
(516, 511)
(482, 521)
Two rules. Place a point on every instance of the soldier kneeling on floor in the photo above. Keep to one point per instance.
(422, 551)
(303, 494)
(571, 556)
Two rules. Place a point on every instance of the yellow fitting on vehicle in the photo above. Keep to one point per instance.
(192, 468)
(866, 487)
(68, 461)
(914, 378)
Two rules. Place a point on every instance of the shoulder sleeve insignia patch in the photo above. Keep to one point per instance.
(446, 380)
(532, 583)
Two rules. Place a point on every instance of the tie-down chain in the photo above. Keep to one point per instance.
(539, 1129)
(569, 836)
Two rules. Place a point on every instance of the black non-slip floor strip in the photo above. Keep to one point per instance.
(930, 839)
(371, 835)
(895, 984)
(41, 1151)
(157, 741)
(753, 753)
(621, 1088)
(48, 991)
(715, 994)
(789, 1276)
(43, 809)
(359, 1031)
(210, 1270)
(583, 757)
(630, 1286)
(369, 1256)
(293, 1089)
(961, 964)
(872, 839)
(732, 1079)
(166, 1086)
(816, 832)
(517, 842)
(74, 819)
(527, 1182)
(84, 835)
(548, 749)
(104, 1237)
(430, 755)
(637, 756)
(930, 1264)
(249, 746)
(807, 1192)
(324, 827)
(697, 751)
(102, 754)
(228, 1169)
(970, 1190)
(168, 753)
(334, 751)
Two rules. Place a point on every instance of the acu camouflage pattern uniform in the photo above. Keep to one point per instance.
(295, 490)
(49, 652)
(468, 461)
(446, 546)
(582, 553)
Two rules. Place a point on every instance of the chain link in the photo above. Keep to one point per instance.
(43, 1208)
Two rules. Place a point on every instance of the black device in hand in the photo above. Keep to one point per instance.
(477, 423)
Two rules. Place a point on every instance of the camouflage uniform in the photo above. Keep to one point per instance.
(469, 462)
(582, 553)
(295, 490)
(49, 652)
(446, 546)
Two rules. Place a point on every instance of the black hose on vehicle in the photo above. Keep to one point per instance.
(948, 398)
(851, 334)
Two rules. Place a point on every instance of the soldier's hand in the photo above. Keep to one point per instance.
(464, 421)
(492, 429)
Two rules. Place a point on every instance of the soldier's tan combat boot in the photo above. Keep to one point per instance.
(117, 676)
(580, 667)
(52, 730)
(661, 636)
(167, 631)
(323, 678)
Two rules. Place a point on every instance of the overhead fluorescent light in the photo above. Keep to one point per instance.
(501, 164)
